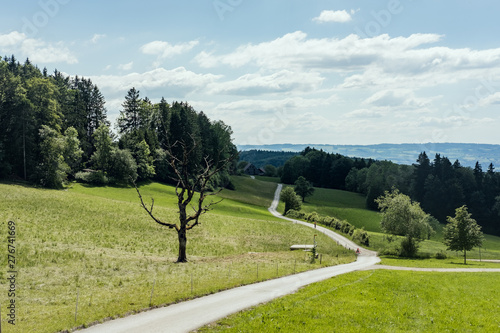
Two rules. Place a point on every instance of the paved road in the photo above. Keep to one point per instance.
(341, 240)
(190, 315)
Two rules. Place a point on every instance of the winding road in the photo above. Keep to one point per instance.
(190, 315)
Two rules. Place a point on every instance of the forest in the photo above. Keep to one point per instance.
(439, 185)
(54, 128)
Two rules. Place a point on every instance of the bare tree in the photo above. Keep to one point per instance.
(189, 181)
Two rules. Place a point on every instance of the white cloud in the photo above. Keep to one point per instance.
(364, 113)
(12, 39)
(36, 50)
(97, 37)
(157, 78)
(493, 99)
(339, 16)
(377, 63)
(249, 106)
(126, 67)
(452, 121)
(279, 82)
(295, 50)
(165, 50)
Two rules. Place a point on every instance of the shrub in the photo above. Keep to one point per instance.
(408, 247)
(338, 225)
(326, 220)
(441, 255)
(345, 227)
(92, 177)
(312, 217)
(389, 252)
(123, 166)
(294, 214)
(361, 236)
(291, 199)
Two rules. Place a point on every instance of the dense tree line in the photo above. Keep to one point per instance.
(320, 168)
(439, 185)
(41, 116)
(54, 127)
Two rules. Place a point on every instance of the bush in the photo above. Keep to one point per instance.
(338, 225)
(294, 214)
(389, 252)
(291, 199)
(123, 166)
(408, 247)
(313, 217)
(346, 228)
(361, 236)
(92, 177)
(441, 255)
(326, 220)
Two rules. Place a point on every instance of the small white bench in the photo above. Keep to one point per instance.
(302, 247)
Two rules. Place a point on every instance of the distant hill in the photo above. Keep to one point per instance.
(467, 153)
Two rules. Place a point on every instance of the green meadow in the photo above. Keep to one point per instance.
(379, 301)
(85, 254)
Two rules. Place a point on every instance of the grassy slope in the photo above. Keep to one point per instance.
(343, 205)
(100, 244)
(380, 301)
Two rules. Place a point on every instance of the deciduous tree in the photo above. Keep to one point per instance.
(291, 199)
(402, 217)
(303, 188)
(462, 233)
(191, 171)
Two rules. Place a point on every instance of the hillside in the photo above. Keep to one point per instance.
(97, 245)
(466, 153)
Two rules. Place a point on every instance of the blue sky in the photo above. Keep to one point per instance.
(332, 72)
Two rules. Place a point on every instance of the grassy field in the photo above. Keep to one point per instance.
(343, 205)
(454, 262)
(379, 301)
(96, 245)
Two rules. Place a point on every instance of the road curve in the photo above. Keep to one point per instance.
(190, 315)
(341, 240)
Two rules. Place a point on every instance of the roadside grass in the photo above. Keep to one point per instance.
(429, 248)
(379, 301)
(97, 245)
(454, 262)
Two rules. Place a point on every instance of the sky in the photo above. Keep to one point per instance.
(283, 71)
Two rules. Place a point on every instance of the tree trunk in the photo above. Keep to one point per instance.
(465, 257)
(182, 245)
